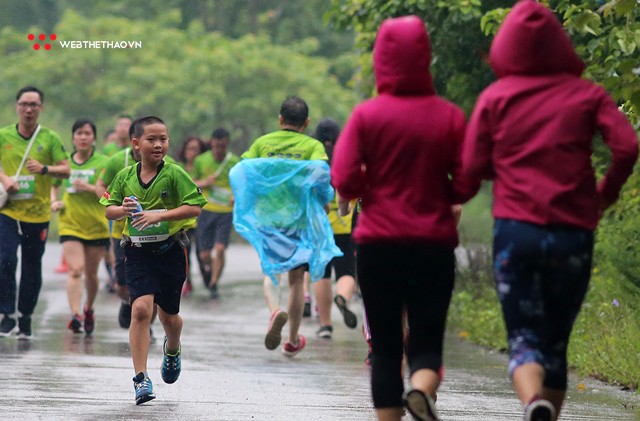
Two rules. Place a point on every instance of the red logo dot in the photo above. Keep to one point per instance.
(42, 37)
(52, 37)
(47, 46)
(31, 37)
(36, 46)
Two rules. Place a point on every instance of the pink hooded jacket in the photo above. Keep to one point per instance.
(532, 130)
(400, 152)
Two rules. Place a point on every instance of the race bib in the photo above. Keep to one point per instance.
(151, 234)
(26, 187)
(86, 175)
(220, 195)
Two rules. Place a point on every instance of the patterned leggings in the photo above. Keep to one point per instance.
(542, 274)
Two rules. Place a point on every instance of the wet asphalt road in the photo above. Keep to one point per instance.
(229, 375)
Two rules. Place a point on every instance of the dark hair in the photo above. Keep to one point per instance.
(294, 111)
(327, 130)
(81, 122)
(183, 147)
(137, 127)
(220, 133)
(109, 132)
(30, 89)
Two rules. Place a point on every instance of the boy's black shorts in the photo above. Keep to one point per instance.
(161, 275)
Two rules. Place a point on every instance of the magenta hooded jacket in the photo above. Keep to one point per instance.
(531, 132)
(401, 151)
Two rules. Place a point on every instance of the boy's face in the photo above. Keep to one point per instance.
(153, 144)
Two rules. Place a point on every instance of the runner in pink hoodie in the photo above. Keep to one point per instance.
(531, 133)
(400, 153)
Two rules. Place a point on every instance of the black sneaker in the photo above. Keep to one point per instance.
(420, 405)
(124, 315)
(7, 326)
(349, 316)
(213, 292)
(24, 327)
(325, 332)
(539, 410)
(307, 308)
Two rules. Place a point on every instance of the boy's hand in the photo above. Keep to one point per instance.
(129, 206)
(144, 219)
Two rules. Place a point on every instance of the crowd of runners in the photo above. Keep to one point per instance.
(396, 177)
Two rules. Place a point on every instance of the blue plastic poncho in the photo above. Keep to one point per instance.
(279, 210)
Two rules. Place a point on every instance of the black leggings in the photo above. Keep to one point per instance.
(392, 277)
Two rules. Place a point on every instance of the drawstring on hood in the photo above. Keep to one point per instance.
(401, 57)
(531, 41)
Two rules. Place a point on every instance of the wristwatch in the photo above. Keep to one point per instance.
(44, 170)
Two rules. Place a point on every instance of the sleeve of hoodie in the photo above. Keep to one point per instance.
(478, 143)
(463, 186)
(347, 175)
(622, 140)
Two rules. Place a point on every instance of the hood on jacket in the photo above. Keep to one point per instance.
(531, 41)
(401, 57)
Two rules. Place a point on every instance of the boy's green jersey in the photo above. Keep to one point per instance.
(32, 202)
(172, 187)
(114, 165)
(286, 144)
(219, 194)
(82, 215)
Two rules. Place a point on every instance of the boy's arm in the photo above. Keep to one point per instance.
(144, 219)
(128, 207)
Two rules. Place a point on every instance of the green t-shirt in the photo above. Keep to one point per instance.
(117, 162)
(172, 187)
(287, 144)
(111, 149)
(32, 202)
(82, 215)
(219, 194)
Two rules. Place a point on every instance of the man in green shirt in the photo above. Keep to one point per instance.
(211, 174)
(289, 142)
(24, 221)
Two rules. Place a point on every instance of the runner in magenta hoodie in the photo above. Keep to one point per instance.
(400, 153)
(531, 133)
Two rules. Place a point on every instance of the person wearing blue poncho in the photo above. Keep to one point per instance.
(280, 195)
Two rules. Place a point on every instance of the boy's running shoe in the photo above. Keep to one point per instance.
(291, 350)
(24, 327)
(75, 324)
(171, 364)
(89, 321)
(349, 316)
(325, 332)
(539, 410)
(274, 331)
(421, 405)
(143, 387)
(7, 326)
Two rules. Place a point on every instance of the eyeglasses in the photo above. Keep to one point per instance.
(29, 105)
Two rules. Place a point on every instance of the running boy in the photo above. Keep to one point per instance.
(170, 202)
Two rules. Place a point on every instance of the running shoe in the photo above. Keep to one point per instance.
(187, 289)
(274, 331)
(7, 326)
(24, 327)
(291, 350)
(539, 410)
(307, 307)
(325, 332)
(89, 321)
(171, 364)
(213, 292)
(143, 387)
(75, 324)
(421, 405)
(124, 315)
(349, 316)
